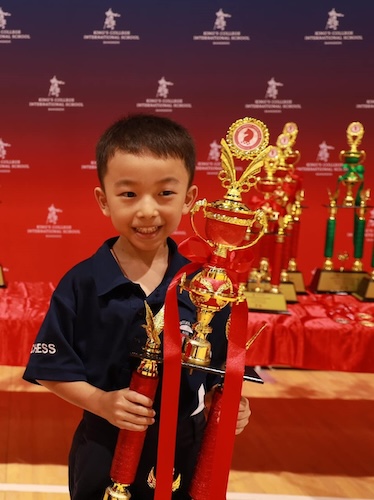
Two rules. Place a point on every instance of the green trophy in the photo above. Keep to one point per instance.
(348, 195)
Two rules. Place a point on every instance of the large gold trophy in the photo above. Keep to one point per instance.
(355, 198)
(228, 228)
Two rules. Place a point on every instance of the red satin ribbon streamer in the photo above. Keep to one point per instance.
(170, 389)
(235, 365)
(130, 443)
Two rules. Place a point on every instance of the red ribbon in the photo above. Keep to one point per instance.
(170, 389)
(215, 459)
(237, 263)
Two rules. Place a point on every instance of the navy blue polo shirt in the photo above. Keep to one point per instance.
(95, 321)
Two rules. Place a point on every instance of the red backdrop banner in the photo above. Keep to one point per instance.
(69, 69)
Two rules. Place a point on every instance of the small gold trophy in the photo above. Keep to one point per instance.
(229, 226)
(130, 443)
(329, 278)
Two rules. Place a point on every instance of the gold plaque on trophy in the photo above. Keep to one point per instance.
(266, 302)
(365, 289)
(297, 279)
(336, 281)
(287, 288)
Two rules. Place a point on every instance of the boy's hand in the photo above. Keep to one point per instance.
(243, 415)
(127, 409)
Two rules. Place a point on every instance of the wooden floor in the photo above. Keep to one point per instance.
(311, 435)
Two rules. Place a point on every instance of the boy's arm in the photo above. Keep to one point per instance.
(124, 408)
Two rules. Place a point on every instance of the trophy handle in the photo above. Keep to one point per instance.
(200, 203)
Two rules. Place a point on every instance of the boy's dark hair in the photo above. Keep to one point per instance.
(140, 134)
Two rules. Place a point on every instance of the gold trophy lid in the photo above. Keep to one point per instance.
(291, 128)
(247, 138)
(355, 133)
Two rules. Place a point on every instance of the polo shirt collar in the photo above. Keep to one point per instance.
(108, 275)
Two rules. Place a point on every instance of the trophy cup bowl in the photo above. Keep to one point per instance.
(352, 159)
(226, 223)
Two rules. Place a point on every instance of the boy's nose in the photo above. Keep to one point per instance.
(147, 208)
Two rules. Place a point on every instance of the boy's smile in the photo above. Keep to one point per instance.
(145, 197)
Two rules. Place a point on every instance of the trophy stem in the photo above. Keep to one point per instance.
(287, 247)
(294, 236)
(277, 262)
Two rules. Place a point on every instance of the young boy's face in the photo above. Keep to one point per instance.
(145, 197)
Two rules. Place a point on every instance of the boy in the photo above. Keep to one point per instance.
(145, 167)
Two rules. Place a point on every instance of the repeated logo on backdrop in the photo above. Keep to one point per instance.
(7, 163)
(10, 34)
(163, 102)
(271, 103)
(323, 166)
(110, 34)
(55, 100)
(52, 227)
(212, 165)
(332, 34)
(219, 34)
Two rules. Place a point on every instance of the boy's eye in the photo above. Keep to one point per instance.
(128, 194)
(167, 192)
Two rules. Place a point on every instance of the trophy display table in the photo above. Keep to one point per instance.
(322, 331)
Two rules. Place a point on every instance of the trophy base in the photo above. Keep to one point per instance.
(297, 279)
(2, 282)
(250, 375)
(365, 290)
(266, 302)
(197, 351)
(287, 288)
(336, 281)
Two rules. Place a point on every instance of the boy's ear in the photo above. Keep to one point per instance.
(191, 196)
(102, 201)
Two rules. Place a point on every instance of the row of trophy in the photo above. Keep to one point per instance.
(275, 278)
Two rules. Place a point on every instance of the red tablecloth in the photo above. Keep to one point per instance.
(322, 332)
